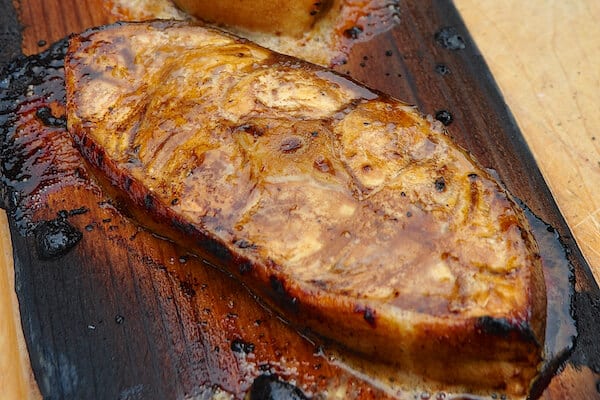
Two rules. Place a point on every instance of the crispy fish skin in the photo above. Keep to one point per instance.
(343, 209)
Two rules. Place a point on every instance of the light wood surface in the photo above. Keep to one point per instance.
(544, 56)
(16, 378)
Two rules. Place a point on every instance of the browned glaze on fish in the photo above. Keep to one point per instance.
(345, 210)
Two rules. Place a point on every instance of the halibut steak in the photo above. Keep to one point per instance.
(346, 211)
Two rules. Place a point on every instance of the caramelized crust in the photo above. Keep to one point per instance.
(343, 209)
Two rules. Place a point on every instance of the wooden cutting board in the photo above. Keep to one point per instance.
(84, 327)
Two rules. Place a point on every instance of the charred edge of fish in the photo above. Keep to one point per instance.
(149, 202)
(368, 313)
(245, 267)
(183, 227)
(127, 183)
(211, 246)
(449, 38)
(503, 327)
(270, 387)
(282, 296)
(245, 244)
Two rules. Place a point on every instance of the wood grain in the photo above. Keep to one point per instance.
(16, 377)
(45, 22)
(544, 56)
(481, 124)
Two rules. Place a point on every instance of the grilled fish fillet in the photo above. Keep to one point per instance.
(343, 209)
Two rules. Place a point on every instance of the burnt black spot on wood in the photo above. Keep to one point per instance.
(270, 387)
(149, 202)
(449, 38)
(587, 314)
(442, 69)
(44, 114)
(444, 117)
(240, 346)
(55, 238)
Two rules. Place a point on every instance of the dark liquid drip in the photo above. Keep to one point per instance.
(55, 238)
(559, 277)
